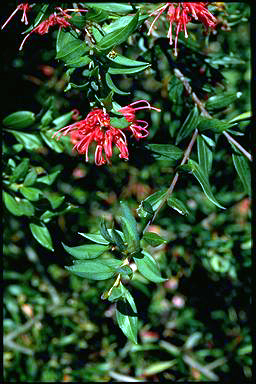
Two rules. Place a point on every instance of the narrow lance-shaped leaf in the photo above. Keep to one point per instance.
(42, 235)
(166, 151)
(243, 169)
(113, 87)
(129, 227)
(178, 205)
(127, 70)
(126, 315)
(124, 61)
(221, 101)
(204, 155)
(151, 203)
(189, 125)
(194, 168)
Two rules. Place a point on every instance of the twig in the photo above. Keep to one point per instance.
(124, 378)
(12, 345)
(205, 371)
(23, 328)
(239, 146)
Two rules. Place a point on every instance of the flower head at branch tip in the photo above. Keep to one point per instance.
(137, 127)
(181, 14)
(59, 19)
(96, 128)
(25, 7)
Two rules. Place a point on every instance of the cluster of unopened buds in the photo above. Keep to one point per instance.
(96, 127)
(59, 18)
(181, 14)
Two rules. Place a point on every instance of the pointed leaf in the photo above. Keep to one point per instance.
(57, 146)
(121, 21)
(221, 101)
(188, 126)
(152, 201)
(42, 235)
(19, 120)
(112, 86)
(119, 123)
(243, 169)
(30, 178)
(153, 239)
(18, 207)
(126, 315)
(104, 231)
(90, 251)
(20, 171)
(196, 170)
(119, 36)
(204, 154)
(213, 125)
(124, 61)
(96, 269)
(127, 71)
(178, 205)
(49, 179)
(32, 194)
(129, 227)
(29, 140)
(111, 7)
(147, 266)
(167, 151)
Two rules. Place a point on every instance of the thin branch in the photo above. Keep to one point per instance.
(12, 345)
(239, 146)
(23, 328)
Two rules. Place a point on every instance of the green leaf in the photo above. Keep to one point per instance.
(121, 21)
(18, 207)
(148, 268)
(243, 169)
(119, 36)
(221, 101)
(90, 251)
(204, 154)
(104, 231)
(32, 194)
(49, 179)
(175, 89)
(117, 239)
(129, 227)
(213, 125)
(42, 15)
(29, 140)
(63, 39)
(116, 293)
(124, 61)
(125, 270)
(98, 238)
(54, 199)
(79, 62)
(189, 125)
(178, 205)
(155, 368)
(96, 269)
(96, 14)
(153, 239)
(118, 8)
(62, 121)
(243, 116)
(48, 215)
(72, 51)
(19, 120)
(112, 86)
(42, 235)
(166, 151)
(196, 170)
(126, 315)
(127, 71)
(30, 178)
(57, 146)
(20, 171)
(119, 123)
(152, 201)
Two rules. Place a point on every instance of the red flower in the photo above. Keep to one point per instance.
(181, 14)
(24, 7)
(138, 127)
(54, 19)
(96, 128)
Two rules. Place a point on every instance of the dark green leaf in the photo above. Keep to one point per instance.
(213, 125)
(112, 86)
(19, 120)
(167, 151)
(119, 36)
(62, 121)
(42, 15)
(104, 231)
(119, 123)
(42, 235)
(96, 269)
(148, 268)
(154, 200)
(196, 170)
(188, 126)
(121, 21)
(29, 140)
(175, 89)
(124, 61)
(153, 239)
(117, 239)
(125, 270)
(96, 14)
(72, 51)
(243, 169)
(18, 207)
(63, 39)
(82, 252)
(178, 205)
(129, 227)
(204, 154)
(57, 146)
(78, 62)
(126, 71)
(221, 101)
(20, 171)
(32, 194)
(118, 8)
(126, 315)
(54, 199)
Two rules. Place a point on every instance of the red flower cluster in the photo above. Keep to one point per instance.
(96, 127)
(181, 14)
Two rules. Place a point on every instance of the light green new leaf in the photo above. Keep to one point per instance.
(42, 235)
(243, 169)
(119, 36)
(30, 178)
(194, 168)
(87, 251)
(189, 125)
(95, 269)
(178, 205)
(147, 266)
